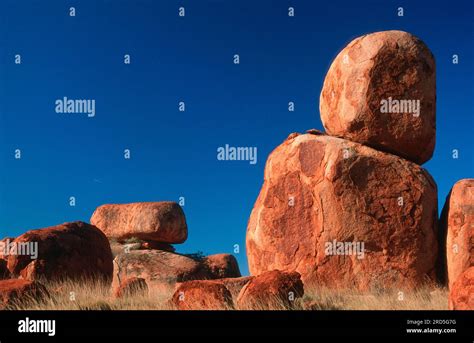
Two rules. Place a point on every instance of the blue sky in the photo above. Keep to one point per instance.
(190, 59)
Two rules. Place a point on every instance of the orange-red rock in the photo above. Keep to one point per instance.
(222, 266)
(160, 269)
(271, 290)
(461, 296)
(320, 190)
(152, 221)
(74, 250)
(4, 272)
(14, 291)
(131, 287)
(202, 295)
(457, 221)
(375, 68)
(235, 284)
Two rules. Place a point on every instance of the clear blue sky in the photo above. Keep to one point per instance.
(190, 59)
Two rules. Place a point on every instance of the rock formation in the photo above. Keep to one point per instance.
(160, 269)
(74, 250)
(131, 287)
(14, 291)
(461, 296)
(270, 290)
(4, 272)
(222, 266)
(202, 295)
(322, 193)
(457, 230)
(381, 91)
(162, 222)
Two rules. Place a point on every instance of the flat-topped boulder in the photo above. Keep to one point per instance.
(149, 221)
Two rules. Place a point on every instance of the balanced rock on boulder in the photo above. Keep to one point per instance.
(381, 91)
(202, 295)
(271, 290)
(457, 229)
(150, 221)
(74, 250)
(461, 296)
(344, 215)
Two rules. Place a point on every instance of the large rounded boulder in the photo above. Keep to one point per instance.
(75, 250)
(381, 91)
(344, 215)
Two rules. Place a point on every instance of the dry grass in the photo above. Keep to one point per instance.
(421, 299)
(95, 296)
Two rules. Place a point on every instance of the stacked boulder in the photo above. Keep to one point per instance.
(153, 227)
(354, 208)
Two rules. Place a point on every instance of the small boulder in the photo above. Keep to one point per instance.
(150, 221)
(461, 296)
(271, 290)
(14, 291)
(131, 287)
(202, 295)
(235, 284)
(222, 266)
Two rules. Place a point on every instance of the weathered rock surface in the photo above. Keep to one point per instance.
(130, 287)
(14, 291)
(375, 68)
(4, 272)
(151, 221)
(235, 284)
(320, 192)
(202, 295)
(222, 266)
(73, 250)
(457, 227)
(461, 296)
(160, 269)
(271, 290)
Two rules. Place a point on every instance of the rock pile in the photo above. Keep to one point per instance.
(357, 210)
(153, 226)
